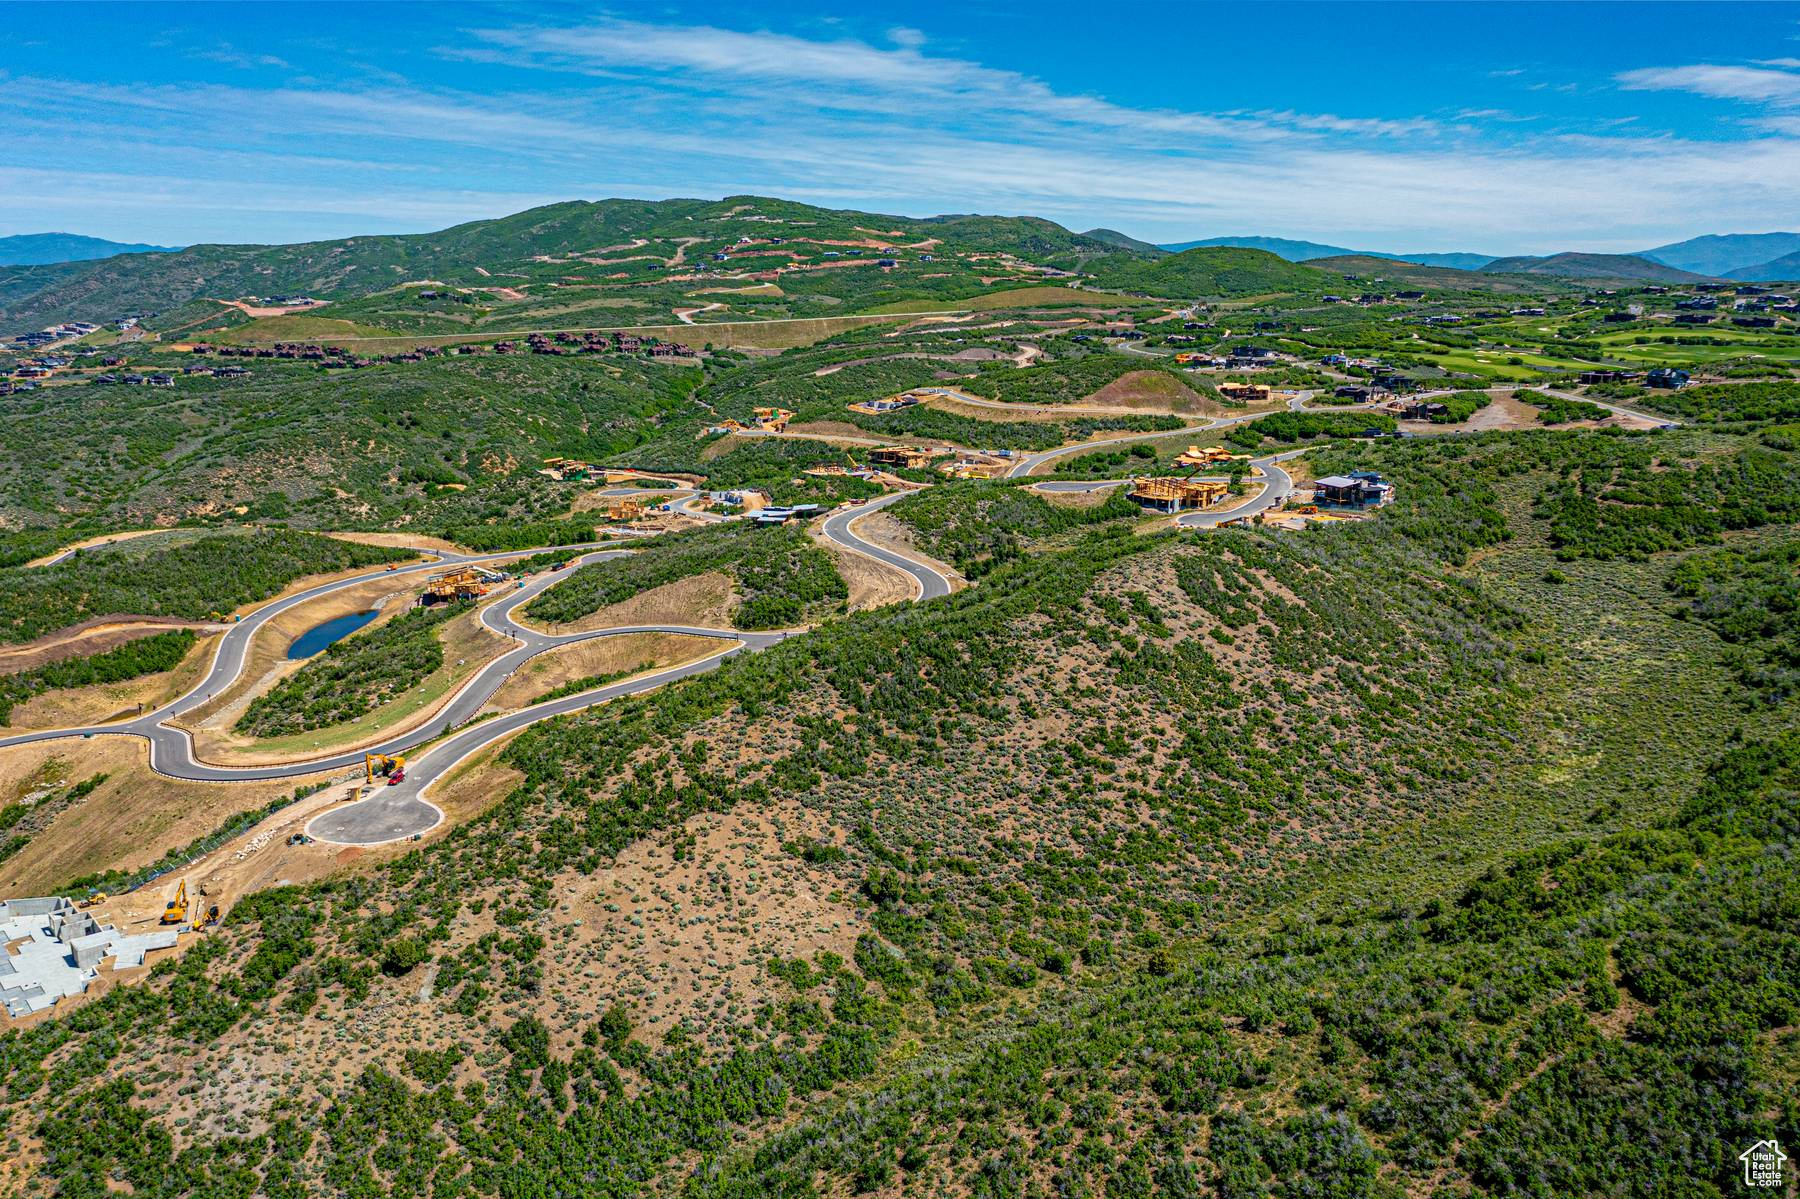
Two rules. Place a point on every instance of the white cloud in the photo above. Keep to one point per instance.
(655, 111)
(1750, 84)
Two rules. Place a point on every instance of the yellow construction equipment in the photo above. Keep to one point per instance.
(94, 899)
(381, 764)
(176, 910)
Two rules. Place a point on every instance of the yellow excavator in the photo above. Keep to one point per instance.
(383, 765)
(176, 910)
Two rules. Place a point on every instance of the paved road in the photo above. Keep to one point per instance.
(686, 508)
(929, 581)
(401, 811)
(1278, 485)
(171, 749)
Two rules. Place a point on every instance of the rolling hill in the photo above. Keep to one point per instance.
(482, 254)
(1785, 267)
(1593, 266)
(1435, 278)
(36, 249)
(1309, 251)
(1207, 271)
(1113, 237)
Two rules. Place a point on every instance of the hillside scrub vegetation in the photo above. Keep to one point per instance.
(195, 581)
(354, 676)
(782, 578)
(145, 655)
(1238, 850)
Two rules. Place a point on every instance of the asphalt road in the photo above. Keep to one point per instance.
(392, 813)
(1278, 485)
(1076, 487)
(931, 583)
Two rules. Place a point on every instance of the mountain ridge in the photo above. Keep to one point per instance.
(43, 249)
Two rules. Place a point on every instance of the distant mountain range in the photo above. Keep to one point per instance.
(36, 249)
(1733, 255)
(1748, 256)
(1593, 266)
(1306, 251)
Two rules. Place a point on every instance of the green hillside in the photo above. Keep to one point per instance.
(1208, 271)
(1363, 862)
(1437, 278)
(541, 248)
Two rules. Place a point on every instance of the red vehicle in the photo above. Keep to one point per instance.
(397, 776)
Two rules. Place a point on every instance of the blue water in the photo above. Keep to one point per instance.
(315, 639)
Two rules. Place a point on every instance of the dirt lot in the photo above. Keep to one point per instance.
(1154, 391)
(704, 601)
(872, 584)
(402, 540)
(103, 702)
(130, 820)
(633, 652)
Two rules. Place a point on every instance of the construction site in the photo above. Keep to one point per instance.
(463, 583)
(54, 948)
(1169, 495)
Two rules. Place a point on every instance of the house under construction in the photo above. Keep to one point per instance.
(772, 419)
(626, 509)
(1196, 457)
(1170, 495)
(908, 456)
(463, 583)
(970, 465)
(1244, 393)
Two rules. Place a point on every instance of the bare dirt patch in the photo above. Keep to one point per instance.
(129, 821)
(684, 933)
(1157, 390)
(631, 652)
(102, 702)
(872, 584)
(702, 601)
(405, 541)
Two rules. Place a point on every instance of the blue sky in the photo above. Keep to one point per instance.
(1500, 128)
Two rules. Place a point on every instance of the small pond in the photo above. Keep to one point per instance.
(315, 639)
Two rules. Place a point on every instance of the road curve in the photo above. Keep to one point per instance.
(401, 811)
(930, 582)
(1278, 485)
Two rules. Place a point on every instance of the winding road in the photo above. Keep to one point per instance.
(929, 581)
(395, 812)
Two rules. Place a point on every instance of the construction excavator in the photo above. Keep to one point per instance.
(383, 765)
(176, 910)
